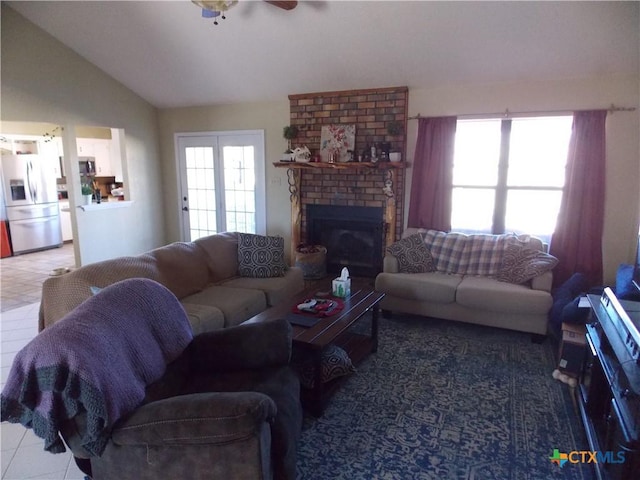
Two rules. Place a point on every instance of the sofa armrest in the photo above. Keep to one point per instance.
(543, 282)
(201, 418)
(390, 264)
(243, 347)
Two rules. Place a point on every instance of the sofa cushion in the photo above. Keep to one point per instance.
(447, 250)
(182, 267)
(276, 289)
(203, 318)
(412, 254)
(484, 293)
(435, 287)
(519, 264)
(260, 256)
(236, 304)
(221, 255)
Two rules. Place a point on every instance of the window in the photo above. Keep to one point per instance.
(508, 174)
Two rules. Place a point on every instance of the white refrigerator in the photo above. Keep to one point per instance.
(31, 201)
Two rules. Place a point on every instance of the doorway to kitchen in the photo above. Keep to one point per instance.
(222, 182)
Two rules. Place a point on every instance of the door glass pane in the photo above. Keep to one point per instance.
(538, 151)
(472, 210)
(533, 211)
(477, 152)
(201, 191)
(239, 176)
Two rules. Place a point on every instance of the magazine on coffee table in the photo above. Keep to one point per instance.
(302, 320)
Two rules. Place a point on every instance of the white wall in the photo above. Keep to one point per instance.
(622, 204)
(44, 81)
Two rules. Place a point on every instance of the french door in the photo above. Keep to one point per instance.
(222, 182)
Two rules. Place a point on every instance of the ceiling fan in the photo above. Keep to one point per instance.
(216, 8)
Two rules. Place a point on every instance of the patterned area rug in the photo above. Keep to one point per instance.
(446, 400)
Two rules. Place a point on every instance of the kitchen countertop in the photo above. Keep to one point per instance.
(105, 205)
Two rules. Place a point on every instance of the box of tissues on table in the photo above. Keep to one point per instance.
(341, 286)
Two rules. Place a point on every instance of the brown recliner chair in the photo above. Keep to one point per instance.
(227, 406)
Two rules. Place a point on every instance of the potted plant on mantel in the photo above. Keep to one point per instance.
(290, 132)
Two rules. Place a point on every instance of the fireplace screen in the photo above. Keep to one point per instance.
(353, 237)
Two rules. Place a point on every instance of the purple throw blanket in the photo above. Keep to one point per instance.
(98, 359)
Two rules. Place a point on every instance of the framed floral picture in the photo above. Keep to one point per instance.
(336, 140)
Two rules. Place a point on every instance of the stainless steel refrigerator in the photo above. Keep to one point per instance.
(31, 200)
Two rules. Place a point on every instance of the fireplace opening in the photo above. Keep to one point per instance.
(353, 237)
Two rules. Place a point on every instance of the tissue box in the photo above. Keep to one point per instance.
(341, 288)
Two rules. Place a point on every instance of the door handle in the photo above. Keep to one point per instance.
(185, 209)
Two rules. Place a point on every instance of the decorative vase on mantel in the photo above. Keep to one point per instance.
(86, 199)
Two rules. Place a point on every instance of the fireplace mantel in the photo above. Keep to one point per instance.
(340, 165)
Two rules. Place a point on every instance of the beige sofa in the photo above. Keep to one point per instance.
(449, 292)
(203, 274)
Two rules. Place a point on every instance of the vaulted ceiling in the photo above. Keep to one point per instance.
(171, 56)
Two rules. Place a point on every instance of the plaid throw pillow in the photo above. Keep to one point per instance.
(483, 253)
(447, 250)
(260, 256)
(520, 264)
(412, 254)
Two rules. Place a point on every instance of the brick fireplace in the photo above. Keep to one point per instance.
(371, 111)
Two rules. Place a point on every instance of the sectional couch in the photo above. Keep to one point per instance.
(495, 280)
(221, 280)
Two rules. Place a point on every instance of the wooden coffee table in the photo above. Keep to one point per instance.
(312, 341)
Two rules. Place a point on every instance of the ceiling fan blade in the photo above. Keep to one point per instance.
(285, 5)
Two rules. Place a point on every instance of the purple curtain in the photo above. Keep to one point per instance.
(430, 200)
(577, 239)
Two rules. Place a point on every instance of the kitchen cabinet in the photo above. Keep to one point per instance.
(23, 146)
(52, 149)
(100, 149)
(49, 149)
(19, 144)
(102, 152)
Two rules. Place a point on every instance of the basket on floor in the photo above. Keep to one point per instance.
(312, 259)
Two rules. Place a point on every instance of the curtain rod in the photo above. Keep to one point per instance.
(507, 113)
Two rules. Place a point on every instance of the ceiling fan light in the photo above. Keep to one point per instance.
(209, 13)
(215, 5)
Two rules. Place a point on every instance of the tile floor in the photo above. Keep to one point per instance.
(22, 455)
(22, 275)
